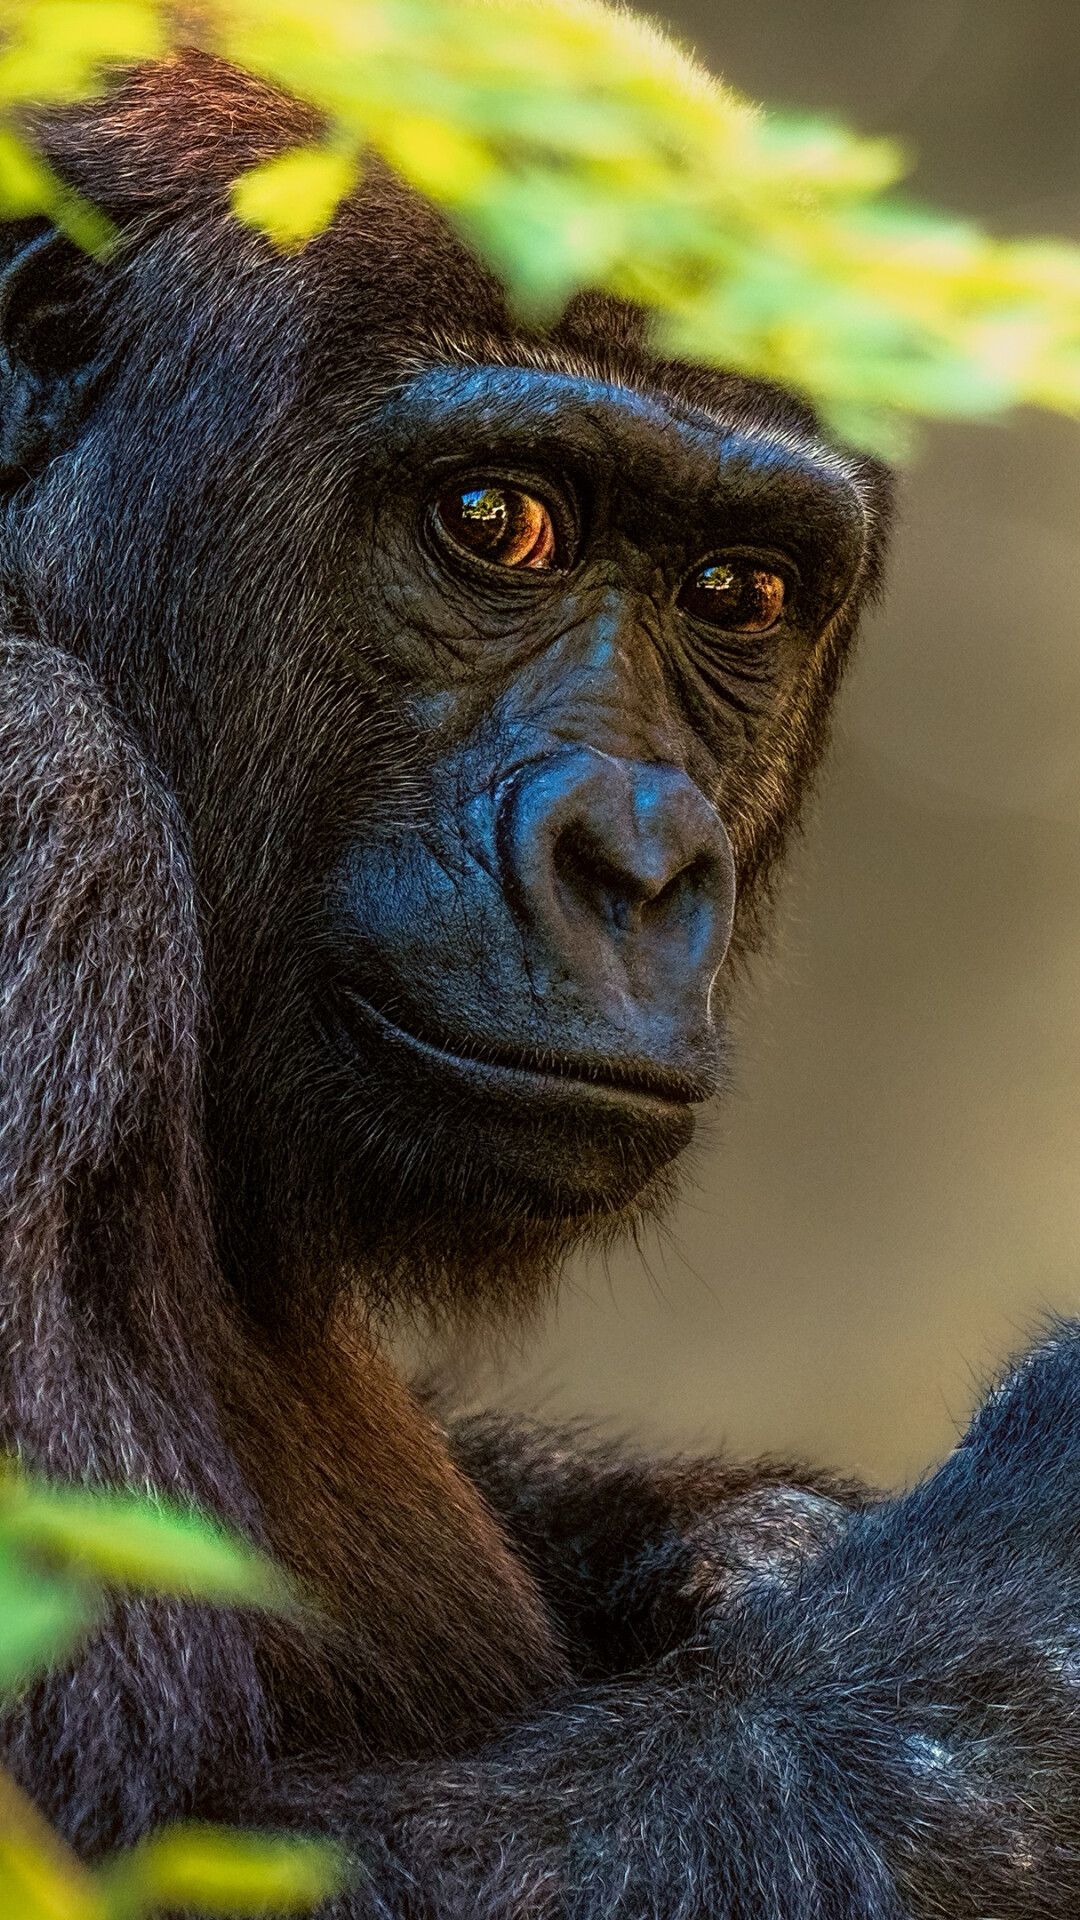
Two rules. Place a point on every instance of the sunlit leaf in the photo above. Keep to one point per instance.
(126, 1539)
(61, 1548)
(25, 185)
(40, 1878)
(573, 144)
(295, 195)
(55, 49)
(438, 159)
(215, 1871)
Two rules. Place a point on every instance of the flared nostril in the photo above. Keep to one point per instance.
(588, 871)
(630, 886)
(700, 879)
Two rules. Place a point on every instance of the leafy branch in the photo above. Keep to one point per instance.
(574, 145)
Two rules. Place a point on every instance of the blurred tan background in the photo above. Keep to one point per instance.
(893, 1197)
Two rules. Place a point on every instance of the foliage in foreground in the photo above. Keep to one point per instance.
(574, 145)
(63, 1553)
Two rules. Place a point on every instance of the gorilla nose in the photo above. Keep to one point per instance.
(625, 874)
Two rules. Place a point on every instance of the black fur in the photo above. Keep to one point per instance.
(539, 1677)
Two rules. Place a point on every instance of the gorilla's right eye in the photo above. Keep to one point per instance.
(498, 523)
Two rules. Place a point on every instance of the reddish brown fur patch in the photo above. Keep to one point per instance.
(445, 1631)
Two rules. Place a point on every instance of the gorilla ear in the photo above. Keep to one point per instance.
(51, 355)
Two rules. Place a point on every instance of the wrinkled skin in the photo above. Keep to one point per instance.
(400, 721)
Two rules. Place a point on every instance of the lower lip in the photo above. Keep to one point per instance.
(526, 1082)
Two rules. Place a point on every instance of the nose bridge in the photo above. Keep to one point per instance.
(602, 684)
(644, 823)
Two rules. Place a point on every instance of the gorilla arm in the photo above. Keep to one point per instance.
(894, 1731)
(628, 1553)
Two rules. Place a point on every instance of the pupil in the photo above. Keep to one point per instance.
(718, 579)
(485, 508)
(484, 519)
(501, 524)
(744, 599)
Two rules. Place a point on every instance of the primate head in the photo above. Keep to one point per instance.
(488, 669)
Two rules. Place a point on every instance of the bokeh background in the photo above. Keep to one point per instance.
(892, 1199)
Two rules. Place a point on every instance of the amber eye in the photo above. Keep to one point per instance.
(736, 595)
(500, 524)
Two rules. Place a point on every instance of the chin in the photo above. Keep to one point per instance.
(554, 1138)
(439, 1182)
(491, 1256)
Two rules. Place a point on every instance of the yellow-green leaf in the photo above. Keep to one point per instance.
(574, 145)
(43, 1619)
(216, 1871)
(441, 160)
(295, 195)
(124, 1538)
(40, 1878)
(55, 49)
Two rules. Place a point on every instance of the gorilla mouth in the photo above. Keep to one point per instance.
(651, 1092)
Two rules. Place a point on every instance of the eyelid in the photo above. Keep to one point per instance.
(772, 559)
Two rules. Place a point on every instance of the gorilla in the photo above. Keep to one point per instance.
(403, 715)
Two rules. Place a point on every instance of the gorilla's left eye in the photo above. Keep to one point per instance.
(499, 523)
(736, 595)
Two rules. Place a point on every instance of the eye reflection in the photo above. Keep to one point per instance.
(735, 595)
(500, 524)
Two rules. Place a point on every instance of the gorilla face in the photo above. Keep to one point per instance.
(590, 600)
(487, 684)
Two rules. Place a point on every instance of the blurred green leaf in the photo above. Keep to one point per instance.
(61, 1549)
(575, 145)
(56, 49)
(128, 1539)
(295, 195)
(219, 1872)
(42, 1619)
(40, 1878)
(209, 1870)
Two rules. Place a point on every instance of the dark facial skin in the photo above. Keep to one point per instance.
(544, 949)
